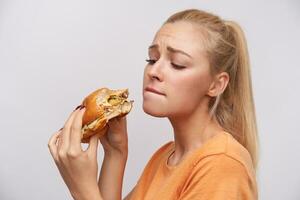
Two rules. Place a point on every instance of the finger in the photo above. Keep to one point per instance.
(103, 132)
(52, 145)
(117, 125)
(118, 120)
(93, 145)
(75, 134)
(112, 123)
(64, 143)
(123, 120)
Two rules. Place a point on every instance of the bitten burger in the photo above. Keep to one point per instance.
(101, 106)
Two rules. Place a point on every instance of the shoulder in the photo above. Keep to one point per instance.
(224, 161)
(158, 155)
(225, 151)
(238, 153)
(221, 166)
(162, 150)
(219, 176)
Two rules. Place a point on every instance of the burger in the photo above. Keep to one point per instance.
(101, 106)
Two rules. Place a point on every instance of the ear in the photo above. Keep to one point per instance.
(218, 84)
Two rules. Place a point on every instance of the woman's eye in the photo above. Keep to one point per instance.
(150, 61)
(178, 66)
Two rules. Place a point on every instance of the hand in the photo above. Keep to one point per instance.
(78, 168)
(116, 139)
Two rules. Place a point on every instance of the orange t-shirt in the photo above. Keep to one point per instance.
(220, 169)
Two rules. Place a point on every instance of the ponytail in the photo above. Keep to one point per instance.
(240, 119)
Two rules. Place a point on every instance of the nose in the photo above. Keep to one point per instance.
(154, 71)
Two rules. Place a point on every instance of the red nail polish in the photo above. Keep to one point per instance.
(77, 107)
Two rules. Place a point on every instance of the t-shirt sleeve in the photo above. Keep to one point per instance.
(219, 177)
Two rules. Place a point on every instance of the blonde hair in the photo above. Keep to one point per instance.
(227, 50)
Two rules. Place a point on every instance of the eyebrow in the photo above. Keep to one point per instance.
(171, 49)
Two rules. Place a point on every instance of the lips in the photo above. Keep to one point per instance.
(150, 89)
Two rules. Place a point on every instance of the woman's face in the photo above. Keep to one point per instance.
(178, 68)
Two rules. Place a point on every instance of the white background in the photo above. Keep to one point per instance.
(53, 53)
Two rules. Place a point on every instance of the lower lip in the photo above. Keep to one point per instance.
(153, 92)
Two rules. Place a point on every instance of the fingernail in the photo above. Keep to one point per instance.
(82, 107)
(77, 107)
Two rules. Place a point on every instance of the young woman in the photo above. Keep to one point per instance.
(198, 76)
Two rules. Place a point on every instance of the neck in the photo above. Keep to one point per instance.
(192, 131)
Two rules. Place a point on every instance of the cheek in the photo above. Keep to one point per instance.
(186, 91)
(145, 81)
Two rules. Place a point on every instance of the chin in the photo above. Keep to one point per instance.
(155, 111)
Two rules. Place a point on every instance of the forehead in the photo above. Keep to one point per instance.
(180, 35)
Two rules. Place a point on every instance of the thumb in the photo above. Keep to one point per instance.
(93, 145)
